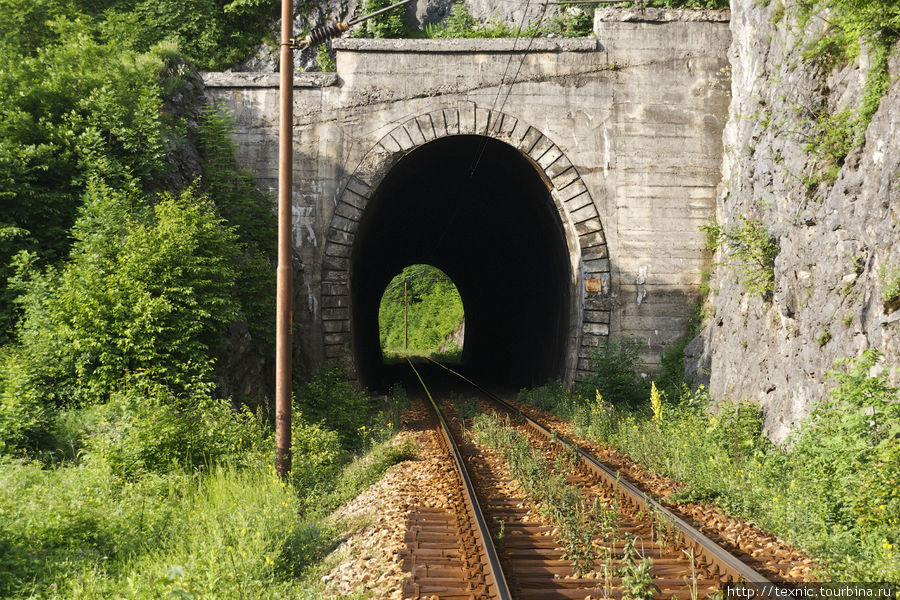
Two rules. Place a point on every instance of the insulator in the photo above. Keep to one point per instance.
(330, 30)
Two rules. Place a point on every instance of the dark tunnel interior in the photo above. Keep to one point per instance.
(496, 234)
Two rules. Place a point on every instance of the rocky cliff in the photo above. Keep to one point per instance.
(836, 220)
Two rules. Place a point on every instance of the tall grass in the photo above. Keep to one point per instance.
(833, 490)
(78, 531)
(75, 524)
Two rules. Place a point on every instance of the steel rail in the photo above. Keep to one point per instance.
(495, 571)
(731, 568)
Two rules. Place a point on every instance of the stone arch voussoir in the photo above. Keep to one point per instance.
(573, 200)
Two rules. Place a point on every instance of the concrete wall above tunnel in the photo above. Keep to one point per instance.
(633, 116)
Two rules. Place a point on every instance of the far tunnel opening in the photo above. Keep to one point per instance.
(421, 314)
(495, 232)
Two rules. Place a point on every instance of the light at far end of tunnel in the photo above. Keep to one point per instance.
(421, 314)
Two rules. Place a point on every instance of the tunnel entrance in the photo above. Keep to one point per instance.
(495, 232)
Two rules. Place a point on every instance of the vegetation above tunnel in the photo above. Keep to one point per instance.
(568, 21)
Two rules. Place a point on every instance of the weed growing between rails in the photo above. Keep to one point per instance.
(637, 584)
(832, 491)
(578, 521)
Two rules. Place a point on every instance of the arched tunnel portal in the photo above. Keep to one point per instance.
(479, 210)
(498, 207)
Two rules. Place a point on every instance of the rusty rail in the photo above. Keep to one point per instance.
(724, 564)
(499, 589)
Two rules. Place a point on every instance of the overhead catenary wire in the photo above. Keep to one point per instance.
(534, 34)
(484, 142)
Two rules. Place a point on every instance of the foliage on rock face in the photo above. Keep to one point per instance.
(434, 310)
(854, 26)
(571, 21)
(751, 252)
(461, 24)
(388, 25)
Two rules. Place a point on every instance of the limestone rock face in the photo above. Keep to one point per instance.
(839, 242)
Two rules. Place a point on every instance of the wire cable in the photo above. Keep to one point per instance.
(534, 34)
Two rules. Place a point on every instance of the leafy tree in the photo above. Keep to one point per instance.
(155, 304)
(73, 109)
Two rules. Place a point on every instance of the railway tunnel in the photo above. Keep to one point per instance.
(495, 232)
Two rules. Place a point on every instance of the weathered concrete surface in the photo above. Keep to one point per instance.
(834, 239)
(626, 128)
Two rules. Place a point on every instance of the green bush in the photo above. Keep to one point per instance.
(671, 378)
(328, 399)
(461, 24)
(24, 419)
(833, 138)
(149, 295)
(860, 420)
(147, 429)
(615, 373)
(317, 455)
(552, 396)
(228, 531)
(573, 22)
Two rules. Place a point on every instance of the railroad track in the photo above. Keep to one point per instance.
(491, 544)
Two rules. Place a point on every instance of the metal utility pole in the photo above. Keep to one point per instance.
(285, 275)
